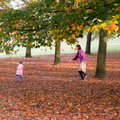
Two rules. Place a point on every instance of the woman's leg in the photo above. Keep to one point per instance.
(83, 73)
(82, 77)
(83, 69)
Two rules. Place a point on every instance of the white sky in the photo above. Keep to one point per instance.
(16, 4)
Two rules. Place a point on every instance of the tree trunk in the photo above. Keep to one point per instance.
(57, 53)
(101, 60)
(88, 44)
(28, 52)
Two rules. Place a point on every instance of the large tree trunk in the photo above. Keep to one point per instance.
(88, 44)
(57, 53)
(101, 60)
(28, 52)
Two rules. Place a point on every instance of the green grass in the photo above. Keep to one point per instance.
(113, 46)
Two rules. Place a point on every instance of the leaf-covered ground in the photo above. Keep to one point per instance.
(56, 92)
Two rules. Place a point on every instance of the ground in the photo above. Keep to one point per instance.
(56, 92)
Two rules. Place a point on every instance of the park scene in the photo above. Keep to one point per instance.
(59, 60)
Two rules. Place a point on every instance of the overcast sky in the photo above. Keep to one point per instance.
(16, 4)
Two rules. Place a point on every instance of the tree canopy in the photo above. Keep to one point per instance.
(40, 22)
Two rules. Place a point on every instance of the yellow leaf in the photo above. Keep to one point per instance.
(30, 44)
(94, 28)
(88, 29)
(78, 0)
(73, 35)
(113, 27)
(99, 20)
(115, 21)
(77, 34)
(103, 25)
(68, 28)
(73, 26)
(79, 27)
(109, 31)
(75, 6)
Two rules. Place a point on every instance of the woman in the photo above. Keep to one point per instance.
(82, 65)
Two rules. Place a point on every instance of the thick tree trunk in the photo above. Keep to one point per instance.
(101, 60)
(57, 53)
(28, 52)
(88, 44)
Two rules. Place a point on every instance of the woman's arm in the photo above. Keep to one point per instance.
(76, 57)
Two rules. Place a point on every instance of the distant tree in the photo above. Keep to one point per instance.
(28, 52)
(57, 53)
(88, 43)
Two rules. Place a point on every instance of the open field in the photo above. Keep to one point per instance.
(56, 92)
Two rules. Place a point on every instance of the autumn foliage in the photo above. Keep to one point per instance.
(56, 92)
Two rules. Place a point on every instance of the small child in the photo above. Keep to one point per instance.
(19, 71)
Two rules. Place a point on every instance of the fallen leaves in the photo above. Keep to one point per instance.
(56, 92)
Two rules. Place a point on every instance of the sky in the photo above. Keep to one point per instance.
(16, 4)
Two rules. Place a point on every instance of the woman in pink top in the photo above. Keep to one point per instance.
(19, 71)
(82, 65)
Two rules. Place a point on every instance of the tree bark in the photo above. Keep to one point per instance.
(57, 53)
(101, 60)
(88, 44)
(28, 52)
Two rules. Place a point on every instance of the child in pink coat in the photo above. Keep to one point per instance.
(19, 71)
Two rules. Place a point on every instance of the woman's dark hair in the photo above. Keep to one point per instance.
(78, 46)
